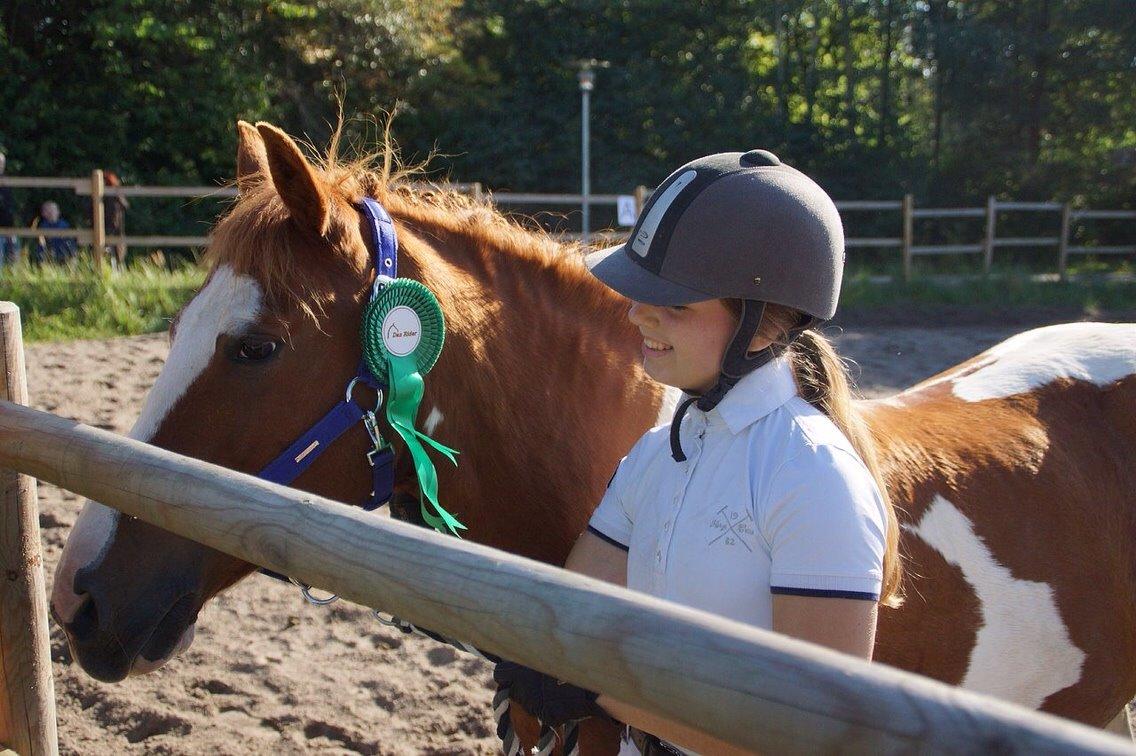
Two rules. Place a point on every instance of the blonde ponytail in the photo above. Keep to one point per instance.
(824, 383)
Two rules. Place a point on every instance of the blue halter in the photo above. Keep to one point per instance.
(306, 449)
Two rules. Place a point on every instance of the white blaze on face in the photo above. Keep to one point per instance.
(228, 304)
(1020, 620)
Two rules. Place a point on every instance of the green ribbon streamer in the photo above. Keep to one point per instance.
(405, 394)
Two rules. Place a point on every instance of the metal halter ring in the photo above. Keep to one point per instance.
(394, 621)
(306, 591)
(351, 391)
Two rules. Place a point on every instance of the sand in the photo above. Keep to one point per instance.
(270, 674)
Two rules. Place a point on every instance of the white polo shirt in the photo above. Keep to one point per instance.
(772, 499)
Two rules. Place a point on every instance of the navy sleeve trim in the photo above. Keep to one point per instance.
(817, 593)
(608, 538)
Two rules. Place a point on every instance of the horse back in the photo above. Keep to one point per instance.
(1015, 477)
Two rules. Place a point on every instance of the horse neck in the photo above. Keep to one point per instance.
(540, 389)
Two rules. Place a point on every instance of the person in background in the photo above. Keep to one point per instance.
(9, 245)
(761, 501)
(114, 213)
(62, 249)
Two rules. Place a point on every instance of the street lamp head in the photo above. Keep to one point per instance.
(587, 79)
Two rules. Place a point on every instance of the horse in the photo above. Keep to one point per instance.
(1014, 472)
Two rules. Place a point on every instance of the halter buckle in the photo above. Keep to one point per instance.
(371, 423)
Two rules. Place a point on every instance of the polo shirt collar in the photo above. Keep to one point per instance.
(757, 394)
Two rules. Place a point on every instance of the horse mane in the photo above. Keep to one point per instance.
(254, 238)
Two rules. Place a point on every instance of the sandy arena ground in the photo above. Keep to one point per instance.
(269, 673)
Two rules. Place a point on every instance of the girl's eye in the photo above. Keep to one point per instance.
(678, 308)
(254, 350)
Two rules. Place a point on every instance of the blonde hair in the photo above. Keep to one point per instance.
(824, 383)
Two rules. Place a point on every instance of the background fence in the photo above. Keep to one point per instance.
(1074, 231)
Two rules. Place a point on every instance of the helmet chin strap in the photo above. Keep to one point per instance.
(737, 362)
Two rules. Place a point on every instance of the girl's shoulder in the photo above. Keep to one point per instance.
(812, 429)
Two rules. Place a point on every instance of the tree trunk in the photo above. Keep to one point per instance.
(849, 67)
(782, 90)
(885, 75)
(1037, 85)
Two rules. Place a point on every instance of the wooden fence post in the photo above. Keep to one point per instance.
(98, 217)
(27, 698)
(641, 194)
(988, 241)
(1063, 243)
(908, 233)
(478, 194)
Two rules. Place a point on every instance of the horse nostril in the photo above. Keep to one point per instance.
(85, 623)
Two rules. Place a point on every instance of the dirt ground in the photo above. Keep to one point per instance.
(269, 673)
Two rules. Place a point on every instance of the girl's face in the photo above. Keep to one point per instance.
(683, 346)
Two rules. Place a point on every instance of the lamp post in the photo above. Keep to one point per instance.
(587, 79)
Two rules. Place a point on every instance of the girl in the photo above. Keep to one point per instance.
(761, 501)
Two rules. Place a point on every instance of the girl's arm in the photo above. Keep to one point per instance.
(842, 624)
(595, 557)
(846, 625)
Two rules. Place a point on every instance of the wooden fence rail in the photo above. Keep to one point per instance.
(750, 687)
(95, 188)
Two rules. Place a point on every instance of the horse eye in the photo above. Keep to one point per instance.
(254, 350)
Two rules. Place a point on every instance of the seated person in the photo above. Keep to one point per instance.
(62, 249)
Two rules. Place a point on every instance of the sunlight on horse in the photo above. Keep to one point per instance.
(1015, 472)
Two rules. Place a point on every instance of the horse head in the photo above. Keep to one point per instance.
(270, 343)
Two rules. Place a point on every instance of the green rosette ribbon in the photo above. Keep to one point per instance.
(403, 333)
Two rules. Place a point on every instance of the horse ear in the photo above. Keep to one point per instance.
(252, 162)
(295, 179)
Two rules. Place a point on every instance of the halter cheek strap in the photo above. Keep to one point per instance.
(305, 450)
(737, 362)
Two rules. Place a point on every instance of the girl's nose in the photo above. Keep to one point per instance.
(641, 314)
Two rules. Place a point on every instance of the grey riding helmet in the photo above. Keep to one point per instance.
(738, 226)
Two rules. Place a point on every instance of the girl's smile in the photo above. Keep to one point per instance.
(683, 345)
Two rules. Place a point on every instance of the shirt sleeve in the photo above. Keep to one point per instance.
(825, 523)
(611, 520)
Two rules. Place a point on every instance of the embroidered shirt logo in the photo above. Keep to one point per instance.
(732, 528)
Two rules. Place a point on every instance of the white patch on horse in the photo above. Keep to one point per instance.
(227, 304)
(1020, 620)
(671, 397)
(433, 421)
(1099, 353)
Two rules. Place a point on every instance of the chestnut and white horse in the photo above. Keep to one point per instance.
(1015, 472)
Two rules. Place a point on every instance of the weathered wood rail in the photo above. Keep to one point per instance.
(750, 687)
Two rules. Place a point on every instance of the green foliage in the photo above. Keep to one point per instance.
(1084, 295)
(85, 302)
(949, 99)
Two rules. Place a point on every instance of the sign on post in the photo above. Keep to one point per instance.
(626, 209)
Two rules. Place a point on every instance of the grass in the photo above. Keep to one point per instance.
(1087, 292)
(84, 302)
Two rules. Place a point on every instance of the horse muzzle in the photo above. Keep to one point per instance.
(111, 644)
